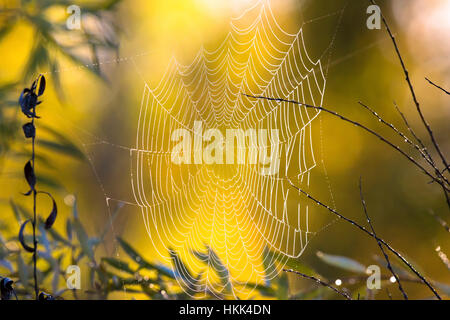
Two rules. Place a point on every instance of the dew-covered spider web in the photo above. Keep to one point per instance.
(224, 228)
(230, 214)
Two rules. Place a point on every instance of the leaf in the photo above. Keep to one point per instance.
(15, 210)
(41, 85)
(342, 262)
(29, 175)
(118, 264)
(180, 267)
(200, 256)
(219, 268)
(6, 264)
(6, 288)
(28, 101)
(21, 237)
(133, 254)
(29, 130)
(213, 260)
(52, 217)
(66, 148)
(283, 287)
(23, 271)
(56, 235)
(44, 240)
(69, 230)
(83, 239)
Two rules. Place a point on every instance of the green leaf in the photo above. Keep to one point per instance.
(342, 262)
(283, 287)
(15, 210)
(21, 237)
(212, 259)
(180, 267)
(118, 264)
(83, 239)
(66, 148)
(23, 271)
(136, 257)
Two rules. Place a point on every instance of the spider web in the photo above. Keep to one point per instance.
(232, 211)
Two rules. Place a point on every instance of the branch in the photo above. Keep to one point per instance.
(386, 257)
(439, 87)
(411, 89)
(422, 151)
(425, 281)
(410, 129)
(442, 183)
(345, 295)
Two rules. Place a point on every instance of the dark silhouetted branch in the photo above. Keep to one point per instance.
(345, 295)
(439, 87)
(413, 93)
(409, 265)
(424, 154)
(386, 257)
(360, 126)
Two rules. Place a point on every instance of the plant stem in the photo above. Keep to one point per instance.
(33, 139)
(386, 257)
(435, 179)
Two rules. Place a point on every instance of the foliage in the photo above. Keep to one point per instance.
(51, 42)
(133, 274)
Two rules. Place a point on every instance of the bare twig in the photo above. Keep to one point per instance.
(423, 151)
(386, 257)
(342, 293)
(413, 94)
(426, 156)
(410, 129)
(439, 181)
(439, 87)
(411, 267)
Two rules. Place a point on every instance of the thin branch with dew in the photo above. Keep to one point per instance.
(380, 137)
(386, 257)
(426, 156)
(437, 86)
(412, 91)
(342, 293)
(396, 253)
